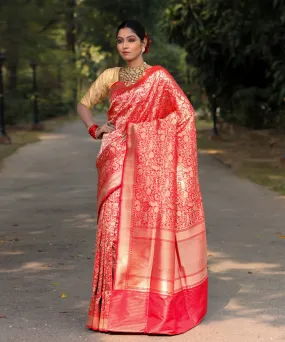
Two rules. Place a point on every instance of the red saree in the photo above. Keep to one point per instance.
(150, 273)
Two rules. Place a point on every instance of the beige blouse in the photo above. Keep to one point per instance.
(99, 90)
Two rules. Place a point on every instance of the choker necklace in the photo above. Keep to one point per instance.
(130, 75)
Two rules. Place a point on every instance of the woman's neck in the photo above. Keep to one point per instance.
(136, 62)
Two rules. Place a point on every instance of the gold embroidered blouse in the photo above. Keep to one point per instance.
(99, 90)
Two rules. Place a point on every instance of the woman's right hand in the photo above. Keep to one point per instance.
(106, 128)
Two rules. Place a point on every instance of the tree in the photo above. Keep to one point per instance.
(71, 41)
(237, 48)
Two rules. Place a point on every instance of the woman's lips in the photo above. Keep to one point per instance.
(126, 53)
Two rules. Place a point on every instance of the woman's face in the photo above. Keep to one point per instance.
(129, 44)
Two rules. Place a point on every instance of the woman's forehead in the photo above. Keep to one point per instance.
(125, 32)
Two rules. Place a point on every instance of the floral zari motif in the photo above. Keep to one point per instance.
(149, 185)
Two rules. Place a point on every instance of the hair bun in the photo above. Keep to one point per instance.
(149, 41)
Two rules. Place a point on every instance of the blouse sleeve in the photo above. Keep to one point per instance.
(99, 90)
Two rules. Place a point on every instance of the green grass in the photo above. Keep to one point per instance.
(247, 158)
(269, 176)
(202, 124)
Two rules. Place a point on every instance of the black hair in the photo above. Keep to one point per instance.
(135, 26)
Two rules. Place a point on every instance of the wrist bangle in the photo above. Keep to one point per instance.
(92, 131)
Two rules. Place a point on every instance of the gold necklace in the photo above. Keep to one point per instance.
(130, 75)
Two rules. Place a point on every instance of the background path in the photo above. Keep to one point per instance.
(47, 220)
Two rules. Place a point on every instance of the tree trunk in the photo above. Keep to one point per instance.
(70, 20)
(71, 42)
(12, 71)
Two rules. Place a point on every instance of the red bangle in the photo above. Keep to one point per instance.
(92, 130)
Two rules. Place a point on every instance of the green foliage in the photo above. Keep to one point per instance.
(71, 41)
(37, 34)
(238, 49)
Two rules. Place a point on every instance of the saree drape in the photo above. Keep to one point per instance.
(150, 272)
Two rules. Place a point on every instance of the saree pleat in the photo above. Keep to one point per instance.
(150, 273)
(105, 259)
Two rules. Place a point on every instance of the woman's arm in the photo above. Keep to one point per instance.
(94, 95)
(87, 118)
(85, 115)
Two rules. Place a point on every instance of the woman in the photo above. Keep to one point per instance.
(150, 272)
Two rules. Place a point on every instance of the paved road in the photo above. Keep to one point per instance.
(47, 206)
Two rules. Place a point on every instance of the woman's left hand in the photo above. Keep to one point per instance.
(106, 128)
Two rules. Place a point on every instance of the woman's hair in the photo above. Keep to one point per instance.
(135, 26)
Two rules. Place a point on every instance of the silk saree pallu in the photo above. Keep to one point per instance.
(150, 271)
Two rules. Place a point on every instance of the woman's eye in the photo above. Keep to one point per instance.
(132, 40)
(120, 41)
